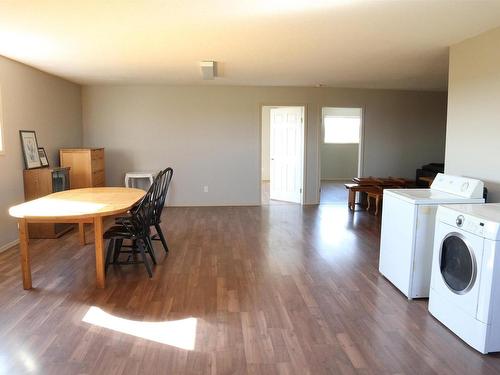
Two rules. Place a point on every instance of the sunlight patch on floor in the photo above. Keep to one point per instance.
(178, 333)
(27, 360)
(332, 228)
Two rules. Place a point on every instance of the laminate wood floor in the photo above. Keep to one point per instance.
(333, 192)
(278, 289)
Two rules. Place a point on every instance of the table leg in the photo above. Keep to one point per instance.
(25, 253)
(99, 252)
(81, 233)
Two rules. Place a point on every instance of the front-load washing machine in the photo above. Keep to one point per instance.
(465, 280)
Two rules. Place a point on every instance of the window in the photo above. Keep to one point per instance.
(342, 129)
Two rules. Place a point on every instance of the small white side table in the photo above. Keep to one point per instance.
(131, 176)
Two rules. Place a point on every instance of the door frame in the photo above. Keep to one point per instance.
(361, 147)
(304, 141)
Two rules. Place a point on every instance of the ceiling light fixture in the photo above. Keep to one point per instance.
(208, 69)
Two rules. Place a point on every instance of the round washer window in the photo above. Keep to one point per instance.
(457, 264)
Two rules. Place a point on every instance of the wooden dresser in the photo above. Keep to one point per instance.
(38, 183)
(87, 166)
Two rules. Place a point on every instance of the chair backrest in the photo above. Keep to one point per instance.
(162, 182)
(141, 215)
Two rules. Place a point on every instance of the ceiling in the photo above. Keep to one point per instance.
(370, 44)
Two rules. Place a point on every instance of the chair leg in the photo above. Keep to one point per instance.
(162, 238)
(117, 249)
(135, 251)
(151, 249)
(144, 259)
(109, 253)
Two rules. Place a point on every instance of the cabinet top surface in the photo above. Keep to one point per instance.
(51, 169)
(81, 149)
(79, 203)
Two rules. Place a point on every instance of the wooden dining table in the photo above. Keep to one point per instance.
(79, 206)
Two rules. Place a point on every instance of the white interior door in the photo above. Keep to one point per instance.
(287, 153)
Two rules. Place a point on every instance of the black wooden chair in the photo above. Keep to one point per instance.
(162, 181)
(163, 185)
(135, 227)
(156, 194)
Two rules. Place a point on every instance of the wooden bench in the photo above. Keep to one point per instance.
(353, 189)
(376, 194)
(373, 188)
(396, 182)
(365, 181)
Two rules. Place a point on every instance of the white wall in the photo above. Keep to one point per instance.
(339, 161)
(473, 129)
(212, 135)
(32, 100)
(266, 143)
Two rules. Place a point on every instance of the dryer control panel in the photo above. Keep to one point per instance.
(461, 186)
(470, 224)
(480, 219)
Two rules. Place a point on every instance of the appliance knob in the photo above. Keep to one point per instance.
(460, 220)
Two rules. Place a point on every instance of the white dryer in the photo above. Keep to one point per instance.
(465, 283)
(408, 221)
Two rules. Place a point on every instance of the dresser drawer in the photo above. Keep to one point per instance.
(97, 154)
(97, 165)
(98, 178)
(87, 166)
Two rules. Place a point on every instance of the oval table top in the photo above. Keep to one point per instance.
(79, 203)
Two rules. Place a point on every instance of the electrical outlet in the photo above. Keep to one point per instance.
(205, 189)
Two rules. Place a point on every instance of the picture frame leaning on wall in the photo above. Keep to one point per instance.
(44, 160)
(29, 145)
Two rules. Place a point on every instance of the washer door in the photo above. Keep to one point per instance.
(457, 263)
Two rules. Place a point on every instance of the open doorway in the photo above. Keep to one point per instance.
(341, 147)
(282, 154)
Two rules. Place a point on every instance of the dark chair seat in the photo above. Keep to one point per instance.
(119, 230)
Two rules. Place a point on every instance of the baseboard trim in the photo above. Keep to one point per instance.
(9, 245)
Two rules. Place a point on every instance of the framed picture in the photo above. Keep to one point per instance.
(30, 149)
(43, 157)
